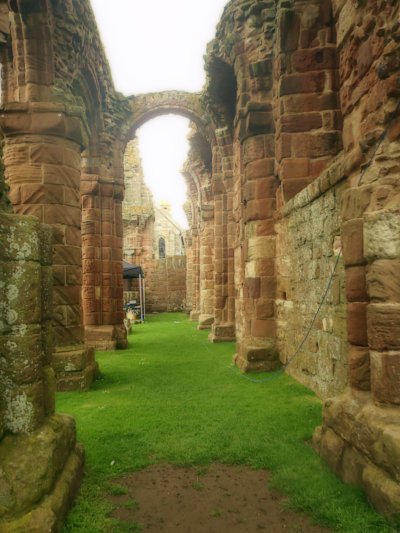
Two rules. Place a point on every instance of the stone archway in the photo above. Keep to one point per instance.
(150, 105)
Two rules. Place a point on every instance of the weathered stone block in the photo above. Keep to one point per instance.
(384, 326)
(359, 368)
(382, 491)
(315, 59)
(331, 448)
(385, 376)
(261, 247)
(19, 238)
(301, 122)
(21, 352)
(263, 328)
(311, 82)
(382, 236)
(357, 323)
(384, 281)
(356, 290)
(353, 242)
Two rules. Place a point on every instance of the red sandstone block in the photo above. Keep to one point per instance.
(59, 275)
(266, 267)
(284, 146)
(357, 323)
(294, 168)
(310, 82)
(316, 145)
(304, 103)
(73, 275)
(317, 166)
(72, 158)
(252, 288)
(384, 281)
(301, 122)
(268, 287)
(60, 175)
(260, 122)
(265, 309)
(289, 30)
(72, 236)
(266, 188)
(24, 174)
(353, 242)
(89, 202)
(384, 326)
(74, 130)
(263, 328)
(46, 153)
(291, 187)
(67, 255)
(354, 202)
(254, 148)
(356, 289)
(259, 209)
(48, 124)
(91, 279)
(72, 197)
(264, 227)
(63, 295)
(260, 168)
(37, 193)
(89, 187)
(385, 377)
(315, 59)
(359, 368)
(91, 214)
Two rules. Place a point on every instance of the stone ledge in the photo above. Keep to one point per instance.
(361, 443)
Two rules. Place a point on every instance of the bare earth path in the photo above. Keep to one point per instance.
(216, 499)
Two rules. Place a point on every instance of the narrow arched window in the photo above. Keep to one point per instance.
(161, 248)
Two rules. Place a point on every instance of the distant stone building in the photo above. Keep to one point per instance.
(152, 240)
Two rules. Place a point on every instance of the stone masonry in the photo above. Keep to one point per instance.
(293, 204)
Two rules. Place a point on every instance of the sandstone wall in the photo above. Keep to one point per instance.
(166, 285)
(308, 244)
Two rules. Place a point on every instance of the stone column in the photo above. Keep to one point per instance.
(224, 324)
(206, 317)
(42, 159)
(195, 312)
(102, 234)
(257, 347)
(40, 462)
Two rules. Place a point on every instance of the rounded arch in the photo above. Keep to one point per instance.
(145, 107)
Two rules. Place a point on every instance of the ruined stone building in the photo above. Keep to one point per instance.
(152, 240)
(294, 208)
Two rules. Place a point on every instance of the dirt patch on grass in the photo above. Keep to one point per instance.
(214, 499)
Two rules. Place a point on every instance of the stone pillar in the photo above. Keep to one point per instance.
(40, 462)
(257, 347)
(195, 312)
(102, 262)
(42, 159)
(223, 328)
(206, 317)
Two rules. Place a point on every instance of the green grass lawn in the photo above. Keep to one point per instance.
(174, 397)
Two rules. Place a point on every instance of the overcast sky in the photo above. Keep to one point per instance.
(155, 46)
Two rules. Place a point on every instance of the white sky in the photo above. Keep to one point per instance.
(156, 45)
